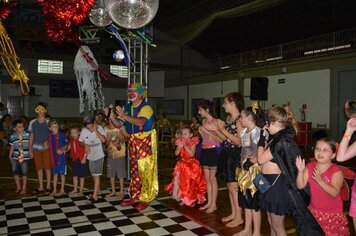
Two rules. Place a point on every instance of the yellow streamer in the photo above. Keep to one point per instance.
(10, 60)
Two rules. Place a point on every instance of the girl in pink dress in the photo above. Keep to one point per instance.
(326, 180)
(188, 185)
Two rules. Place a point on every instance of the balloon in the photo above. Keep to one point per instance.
(118, 55)
(99, 14)
(132, 14)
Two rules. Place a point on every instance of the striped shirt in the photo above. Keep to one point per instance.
(15, 142)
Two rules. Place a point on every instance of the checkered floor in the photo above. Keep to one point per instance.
(72, 215)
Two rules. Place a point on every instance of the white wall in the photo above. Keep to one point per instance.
(207, 91)
(311, 88)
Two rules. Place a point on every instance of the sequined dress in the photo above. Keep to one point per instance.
(230, 157)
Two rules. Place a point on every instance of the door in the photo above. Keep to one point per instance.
(15, 106)
(344, 88)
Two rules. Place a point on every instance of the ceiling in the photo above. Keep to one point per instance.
(285, 21)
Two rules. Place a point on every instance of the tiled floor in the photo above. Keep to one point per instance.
(72, 215)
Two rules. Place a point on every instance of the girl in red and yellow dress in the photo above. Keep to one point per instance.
(188, 185)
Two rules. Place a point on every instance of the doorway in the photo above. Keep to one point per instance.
(15, 106)
(344, 88)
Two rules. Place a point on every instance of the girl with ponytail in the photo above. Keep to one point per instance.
(278, 166)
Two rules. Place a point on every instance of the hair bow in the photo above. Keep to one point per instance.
(254, 107)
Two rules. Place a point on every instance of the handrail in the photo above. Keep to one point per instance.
(322, 45)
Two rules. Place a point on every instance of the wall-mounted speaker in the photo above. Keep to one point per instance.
(32, 91)
(259, 88)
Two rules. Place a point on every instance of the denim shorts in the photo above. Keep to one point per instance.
(18, 168)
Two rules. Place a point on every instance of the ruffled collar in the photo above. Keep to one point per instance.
(189, 142)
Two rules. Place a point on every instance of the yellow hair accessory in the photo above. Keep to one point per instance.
(40, 109)
(254, 107)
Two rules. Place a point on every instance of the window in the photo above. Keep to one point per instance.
(171, 107)
(120, 71)
(50, 67)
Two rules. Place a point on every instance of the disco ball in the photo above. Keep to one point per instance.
(132, 14)
(99, 14)
(118, 55)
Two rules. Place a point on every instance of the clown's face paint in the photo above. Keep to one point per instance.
(132, 95)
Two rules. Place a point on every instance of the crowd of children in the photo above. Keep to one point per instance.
(262, 150)
(51, 148)
(250, 145)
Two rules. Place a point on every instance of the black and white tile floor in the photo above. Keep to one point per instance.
(72, 215)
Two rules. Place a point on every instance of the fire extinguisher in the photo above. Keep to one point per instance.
(302, 114)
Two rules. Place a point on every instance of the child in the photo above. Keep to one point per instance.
(278, 167)
(116, 157)
(229, 131)
(38, 146)
(58, 145)
(325, 179)
(77, 153)
(210, 152)
(93, 136)
(188, 185)
(19, 155)
(345, 153)
(251, 121)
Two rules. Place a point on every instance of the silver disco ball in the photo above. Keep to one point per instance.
(118, 55)
(99, 14)
(132, 14)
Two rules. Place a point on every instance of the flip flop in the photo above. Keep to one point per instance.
(92, 201)
(37, 191)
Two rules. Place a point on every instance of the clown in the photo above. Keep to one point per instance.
(137, 117)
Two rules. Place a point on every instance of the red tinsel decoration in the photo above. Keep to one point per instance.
(61, 15)
(5, 8)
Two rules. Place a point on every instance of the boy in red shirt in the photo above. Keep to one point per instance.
(80, 167)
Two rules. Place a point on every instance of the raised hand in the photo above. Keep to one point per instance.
(212, 127)
(120, 111)
(316, 175)
(300, 163)
(351, 125)
(221, 124)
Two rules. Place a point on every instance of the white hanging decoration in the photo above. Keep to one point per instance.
(89, 82)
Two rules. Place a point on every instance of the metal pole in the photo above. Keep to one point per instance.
(129, 65)
(141, 62)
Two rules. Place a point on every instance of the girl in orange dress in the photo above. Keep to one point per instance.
(188, 185)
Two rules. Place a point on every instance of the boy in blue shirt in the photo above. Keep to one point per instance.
(58, 145)
(19, 155)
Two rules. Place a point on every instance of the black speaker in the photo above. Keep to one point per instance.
(32, 91)
(259, 88)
